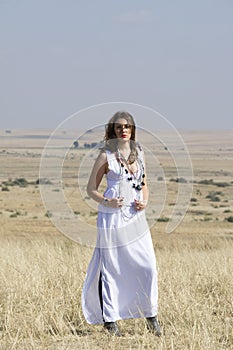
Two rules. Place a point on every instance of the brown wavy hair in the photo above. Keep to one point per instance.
(110, 137)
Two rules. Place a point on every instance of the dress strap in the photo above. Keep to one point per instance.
(140, 153)
(110, 156)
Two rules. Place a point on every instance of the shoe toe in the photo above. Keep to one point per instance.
(153, 326)
(112, 328)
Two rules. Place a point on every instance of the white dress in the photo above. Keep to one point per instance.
(121, 279)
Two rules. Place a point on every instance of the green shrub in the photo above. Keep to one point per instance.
(207, 218)
(17, 182)
(179, 179)
(221, 184)
(211, 182)
(206, 182)
(213, 196)
(229, 219)
(43, 182)
(163, 219)
(93, 213)
(21, 182)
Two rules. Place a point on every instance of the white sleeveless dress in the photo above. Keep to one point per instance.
(124, 257)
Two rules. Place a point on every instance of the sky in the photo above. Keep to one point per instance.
(59, 57)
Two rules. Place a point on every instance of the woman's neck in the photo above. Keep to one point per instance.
(124, 149)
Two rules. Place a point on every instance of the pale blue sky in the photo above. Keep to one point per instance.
(57, 57)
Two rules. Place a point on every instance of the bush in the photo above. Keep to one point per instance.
(160, 178)
(221, 184)
(21, 182)
(207, 218)
(206, 182)
(90, 145)
(179, 179)
(229, 219)
(213, 196)
(93, 213)
(43, 182)
(211, 182)
(163, 219)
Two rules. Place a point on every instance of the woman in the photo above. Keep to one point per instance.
(121, 280)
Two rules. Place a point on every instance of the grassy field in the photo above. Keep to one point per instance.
(42, 271)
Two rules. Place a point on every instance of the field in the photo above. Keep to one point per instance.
(42, 270)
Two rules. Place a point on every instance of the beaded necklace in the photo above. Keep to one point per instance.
(136, 183)
(133, 182)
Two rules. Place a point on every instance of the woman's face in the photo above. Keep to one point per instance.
(122, 129)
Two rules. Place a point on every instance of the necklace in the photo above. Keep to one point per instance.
(137, 183)
(134, 180)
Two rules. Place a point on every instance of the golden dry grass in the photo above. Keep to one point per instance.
(42, 272)
(41, 282)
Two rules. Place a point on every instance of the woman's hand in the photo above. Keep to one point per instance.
(140, 205)
(114, 202)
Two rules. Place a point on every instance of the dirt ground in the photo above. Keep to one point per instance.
(42, 269)
(22, 211)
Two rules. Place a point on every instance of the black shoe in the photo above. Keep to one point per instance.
(153, 326)
(112, 329)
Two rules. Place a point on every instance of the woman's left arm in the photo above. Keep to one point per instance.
(140, 205)
(145, 192)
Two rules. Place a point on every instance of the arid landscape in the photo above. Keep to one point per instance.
(42, 270)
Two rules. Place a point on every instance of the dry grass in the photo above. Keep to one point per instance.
(42, 272)
(41, 282)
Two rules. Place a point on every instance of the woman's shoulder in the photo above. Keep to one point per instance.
(139, 148)
(101, 157)
(106, 149)
(140, 152)
(103, 152)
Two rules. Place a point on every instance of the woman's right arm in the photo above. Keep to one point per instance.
(99, 169)
(97, 173)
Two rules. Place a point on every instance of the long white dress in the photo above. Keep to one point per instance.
(121, 279)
